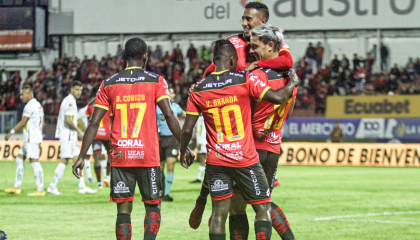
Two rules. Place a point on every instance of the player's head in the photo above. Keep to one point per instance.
(135, 50)
(76, 89)
(225, 55)
(26, 93)
(266, 41)
(172, 94)
(255, 14)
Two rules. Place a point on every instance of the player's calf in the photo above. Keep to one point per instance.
(280, 223)
(151, 221)
(123, 226)
(262, 223)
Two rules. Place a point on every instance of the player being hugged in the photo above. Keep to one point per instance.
(223, 98)
(132, 95)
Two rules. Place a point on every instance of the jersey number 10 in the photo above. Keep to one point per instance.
(227, 123)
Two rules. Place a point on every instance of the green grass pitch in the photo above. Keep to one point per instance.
(307, 193)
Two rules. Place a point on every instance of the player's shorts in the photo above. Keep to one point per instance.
(30, 150)
(168, 147)
(124, 179)
(69, 148)
(251, 181)
(269, 161)
(202, 150)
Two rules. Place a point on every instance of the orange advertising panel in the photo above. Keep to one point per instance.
(351, 154)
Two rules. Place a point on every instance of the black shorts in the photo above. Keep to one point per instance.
(168, 147)
(124, 179)
(269, 162)
(251, 181)
(96, 145)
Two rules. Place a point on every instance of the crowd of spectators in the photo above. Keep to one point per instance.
(318, 80)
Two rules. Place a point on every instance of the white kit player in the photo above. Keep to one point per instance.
(67, 132)
(201, 148)
(33, 122)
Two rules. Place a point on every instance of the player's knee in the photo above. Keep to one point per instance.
(148, 205)
(125, 208)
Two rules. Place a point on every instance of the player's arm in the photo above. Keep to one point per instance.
(187, 131)
(291, 109)
(209, 70)
(282, 94)
(283, 61)
(91, 130)
(81, 125)
(18, 126)
(72, 126)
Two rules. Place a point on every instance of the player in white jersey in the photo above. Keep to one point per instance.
(81, 114)
(67, 131)
(200, 132)
(33, 121)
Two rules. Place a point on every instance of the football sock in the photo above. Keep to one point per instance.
(262, 230)
(280, 223)
(204, 192)
(201, 170)
(59, 171)
(123, 226)
(103, 167)
(81, 182)
(151, 223)
(238, 227)
(39, 176)
(108, 168)
(20, 170)
(168, 183)
(98, 173)
(87, 169)
(217, 236)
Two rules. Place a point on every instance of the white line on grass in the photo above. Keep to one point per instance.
(365, 215)
(375, 221)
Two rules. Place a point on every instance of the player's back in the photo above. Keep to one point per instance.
(132, 95)
(242, 49)
(268, 118)
(224, 100)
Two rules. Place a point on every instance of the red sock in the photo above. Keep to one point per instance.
(151, 223)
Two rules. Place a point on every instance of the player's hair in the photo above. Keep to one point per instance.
(223, 49)
(76, 83)
(260, 7)
(27, 87)
(135, 48)
(267, 33)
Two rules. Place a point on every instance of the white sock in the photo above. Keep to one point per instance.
(81, 182)
(103, 167)
(87, 169)
(20, 170)
(39, 176)
(59, 171)
(201, 170)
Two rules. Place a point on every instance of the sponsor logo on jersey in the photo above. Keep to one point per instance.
(255, 181)
(130, 143)
(235, 155)
(218, 84)
(134, 154)
(218, 185)
(120, 155)
(154, 183)
(229, 146)
(121, 188)
(218, 155)
(130, 79)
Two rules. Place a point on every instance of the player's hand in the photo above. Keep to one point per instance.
(252, 66)
(78, 167)
(187, 159)
(190, 90)
(293, 77)
(7, 136)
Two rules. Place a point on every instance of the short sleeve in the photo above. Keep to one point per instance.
(27, 111)
(102, 98)
(69, 108)
(192, 108)
(162, 89)
(257, 84)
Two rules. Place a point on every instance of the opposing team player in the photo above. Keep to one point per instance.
(33, 122)
(67, 131)
(200, 136)
(267, 122)
(224, 100)
(132, 95)
(168, 146)
(82, 125)
(101, 146)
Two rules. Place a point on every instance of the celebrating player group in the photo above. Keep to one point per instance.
(240, 105)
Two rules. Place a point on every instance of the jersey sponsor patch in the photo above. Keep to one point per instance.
(121, 188)
(218, 185)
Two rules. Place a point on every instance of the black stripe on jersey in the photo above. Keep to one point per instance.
(220, 81)
(132, 76)
(274, 74)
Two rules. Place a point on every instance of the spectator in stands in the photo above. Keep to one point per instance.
(345, 63)
(360, 76)
(192, 53)
(369, 63)
(356, 61)
(384, 56)
(310, 54)
(120, 52)
(177, 55)
(335, 65)
(337, 133)
(203, 54)
(157, 54)
(3, 76)
(373, 53)
(319, 54)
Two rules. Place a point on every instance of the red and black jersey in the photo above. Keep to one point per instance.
(224, 100)
(268, 118)
(105, 124)
(242, 46)
(131, 95)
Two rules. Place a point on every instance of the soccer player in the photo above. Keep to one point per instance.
(255, 14)
(267, 122)
(200, 133)
(132, 95)
(67, 131)
(33, 122)
(168, 146)
(224, 100)
(82, 124)
(101, 146)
